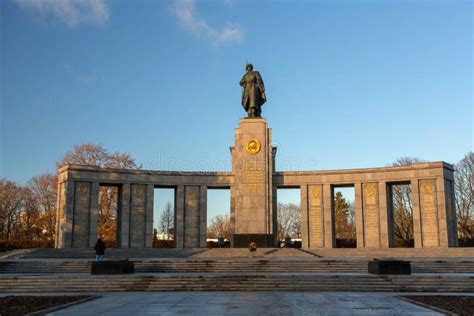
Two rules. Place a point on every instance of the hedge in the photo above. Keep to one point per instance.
(7, 245)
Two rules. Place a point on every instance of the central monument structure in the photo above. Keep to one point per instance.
(252, 166)
(253, 184)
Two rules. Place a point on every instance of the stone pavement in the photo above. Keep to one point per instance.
(246, 303)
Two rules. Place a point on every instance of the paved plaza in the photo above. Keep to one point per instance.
(246, 303)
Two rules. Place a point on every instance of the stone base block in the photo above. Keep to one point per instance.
(262, 240)
(395, 267)
(112, 267)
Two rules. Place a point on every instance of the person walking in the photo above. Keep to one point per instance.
(99, 250)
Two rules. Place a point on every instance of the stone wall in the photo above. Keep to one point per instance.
(431, 183)
(432, 199)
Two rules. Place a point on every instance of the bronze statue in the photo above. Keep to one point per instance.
(253, 92)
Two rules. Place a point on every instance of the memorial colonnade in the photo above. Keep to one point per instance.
(434, 221)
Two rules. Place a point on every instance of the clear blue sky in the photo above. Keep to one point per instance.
(349, 83)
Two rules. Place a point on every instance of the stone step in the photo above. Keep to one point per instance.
(189, 266)
(257, 282)
(114, 253)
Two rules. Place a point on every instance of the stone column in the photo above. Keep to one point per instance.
(191, 216)
(70, 187)
(359, 217)
(371, 215)
(385, 219)
(316, 216)
(429, 213)
(124, 216)
(305, 236)
(232, 215)
(179, 217)
(94, 213)
(59, 202)
(274, 219)
(150, 194)
(450, 213)
(253, 169)
(328, 218)
(415, 194)
(65, 214)
(203, 217)
(442, 212)
(81, 216)
(137, 216)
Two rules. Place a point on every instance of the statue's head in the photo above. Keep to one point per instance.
(249, 67)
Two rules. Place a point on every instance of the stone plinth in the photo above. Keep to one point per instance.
(252, 166)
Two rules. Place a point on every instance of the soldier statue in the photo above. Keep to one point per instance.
(253, 92)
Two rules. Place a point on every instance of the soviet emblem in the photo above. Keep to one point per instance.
(253, 146)
(370, 189)
(139, 191)
(315, 192)
(83, 189)
(427, 188)
(192, 198)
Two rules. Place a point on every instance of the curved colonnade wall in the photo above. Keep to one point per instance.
(434, 220)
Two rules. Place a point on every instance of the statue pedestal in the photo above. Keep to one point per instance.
(252, 165)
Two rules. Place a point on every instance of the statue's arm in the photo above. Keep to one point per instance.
(242, 81)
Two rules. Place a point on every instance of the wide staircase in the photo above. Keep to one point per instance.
(53, 270)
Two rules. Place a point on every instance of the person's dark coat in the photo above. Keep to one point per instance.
(99, 247)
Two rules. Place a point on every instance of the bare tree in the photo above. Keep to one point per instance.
(44, 191)
(406, 161)
(30, 217)
(219, 227)
(11, 205)
(97, 156)
(464, 193)
(167, 221)
(24, 212)
(289, 220)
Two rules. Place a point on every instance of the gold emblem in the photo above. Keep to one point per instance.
(139, 191)
(253, 146)
(315, 196)
(315, 192)
(192, 198)
(83, 189)
(370, 189)
(427, 188)
(370, 193)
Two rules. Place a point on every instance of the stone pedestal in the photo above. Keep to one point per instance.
(112, 267)
(392, 267)
(252, 165)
